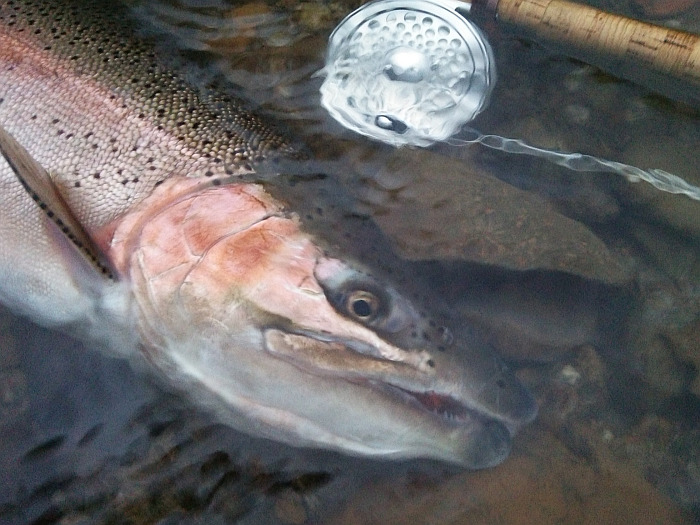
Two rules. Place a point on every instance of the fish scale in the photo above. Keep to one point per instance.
(220, 287)
(74, 58)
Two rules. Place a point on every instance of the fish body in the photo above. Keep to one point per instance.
(216, 282)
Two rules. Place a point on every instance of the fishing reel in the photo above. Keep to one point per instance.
(408, 72)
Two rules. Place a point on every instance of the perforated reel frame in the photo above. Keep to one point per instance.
(407, 72)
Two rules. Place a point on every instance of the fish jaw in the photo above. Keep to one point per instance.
(239, 306)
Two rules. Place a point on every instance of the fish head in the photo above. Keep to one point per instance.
(243, 308)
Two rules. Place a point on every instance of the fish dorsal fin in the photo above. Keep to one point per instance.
(39, 184)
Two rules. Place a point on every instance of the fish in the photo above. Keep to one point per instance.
(136, 215)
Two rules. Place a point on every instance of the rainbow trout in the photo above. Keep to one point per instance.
(126, 218)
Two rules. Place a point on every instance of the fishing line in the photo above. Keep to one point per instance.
(658, 178)
(415, 72)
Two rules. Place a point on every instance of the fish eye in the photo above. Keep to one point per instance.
(362, 304)
(364, 300)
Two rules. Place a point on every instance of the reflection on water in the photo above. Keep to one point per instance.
(589, 284)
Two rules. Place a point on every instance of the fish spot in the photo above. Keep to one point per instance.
(430, 363)
(90, 435)
(44, 448)
(446, 335)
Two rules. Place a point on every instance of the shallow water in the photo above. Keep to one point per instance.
(589, 284)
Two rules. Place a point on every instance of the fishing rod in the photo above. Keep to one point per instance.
(616, 43)
(415, 72)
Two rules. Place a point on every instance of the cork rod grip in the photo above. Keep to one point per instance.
(590, 30)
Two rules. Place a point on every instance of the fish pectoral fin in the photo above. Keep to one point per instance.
(40, 186)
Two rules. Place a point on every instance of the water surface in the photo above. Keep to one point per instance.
(590, 285)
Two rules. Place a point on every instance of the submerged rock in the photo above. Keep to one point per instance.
(452, 211)
(664, 338)
(678, 155)
(553, 486)
(533, 318)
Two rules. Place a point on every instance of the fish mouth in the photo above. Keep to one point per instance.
(484, 440)
(443, 406)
